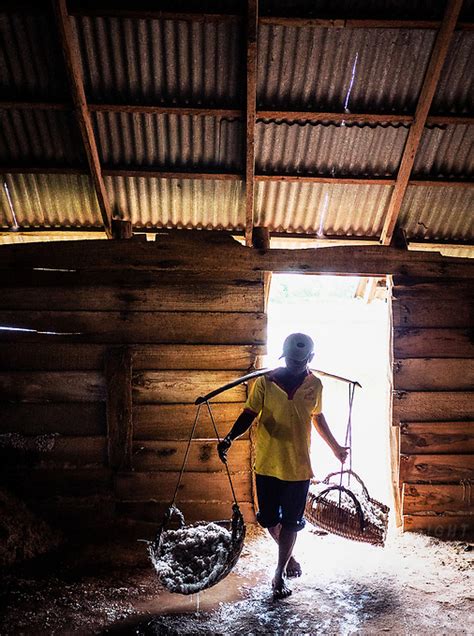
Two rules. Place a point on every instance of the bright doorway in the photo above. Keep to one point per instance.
(351, 340)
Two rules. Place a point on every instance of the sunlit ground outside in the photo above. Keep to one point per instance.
(351, 340)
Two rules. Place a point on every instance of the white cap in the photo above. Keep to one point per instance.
(297, 346)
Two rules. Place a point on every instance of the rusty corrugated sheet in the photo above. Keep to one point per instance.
(31, 62)
(446, 151)
(324, 209)
(181, 203)
(329, 149)
(438, 213)
(394, 9)
(362, 70)
(161, 61)
(48, 137)
(48, 200)
(173, 141)
(455, 91)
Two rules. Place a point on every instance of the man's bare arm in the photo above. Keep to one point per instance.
(323, 429)
(242, 424)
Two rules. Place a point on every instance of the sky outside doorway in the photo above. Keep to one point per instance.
(351, 340)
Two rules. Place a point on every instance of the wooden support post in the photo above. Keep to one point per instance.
(71, 57)
(121, 229)
(118, 377)
(261, 238)
(252, 27)
(438, 57)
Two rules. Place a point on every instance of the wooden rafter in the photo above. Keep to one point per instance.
(71, 56)
(252, 27)
(131, 171)
(238, 113)
(437, 59)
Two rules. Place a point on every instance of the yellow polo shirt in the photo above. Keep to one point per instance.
(283, 434)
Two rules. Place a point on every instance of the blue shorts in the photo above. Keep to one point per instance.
(281, 502)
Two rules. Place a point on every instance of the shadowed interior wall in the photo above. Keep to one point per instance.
(97, 400)
(433, 404)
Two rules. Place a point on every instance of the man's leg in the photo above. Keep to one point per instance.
(286, 541)
(293, 568)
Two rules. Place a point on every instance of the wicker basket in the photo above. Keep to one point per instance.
(345, 517)
(235, 525)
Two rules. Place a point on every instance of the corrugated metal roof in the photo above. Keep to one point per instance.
(31, 62)
(455, 91)
(329, 149)
(363, 70)
(45, 136)
(181, 203)
(324, 209)
(396, 9)
(161, 61)
(445, 151)
(177, 141)
(48, 200)
(436, 213)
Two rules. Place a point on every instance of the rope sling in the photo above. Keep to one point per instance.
(196, 556)
(357, 517)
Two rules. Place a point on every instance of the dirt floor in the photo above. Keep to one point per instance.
(414, 585)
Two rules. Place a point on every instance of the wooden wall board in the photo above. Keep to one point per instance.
(48, 482)
(432, 313)
(455, 290)
(241, 296)
(436, 468)
(153, 511)
(240, 358)
(77, 510)
(52, 386)
(175, 421)
(184, 386)
(437, 437)
(202, 487)
(135, 327)
(432, 374)
(441, 526)
(435, 498)
(419, 406)
(68, 419)
(433, 343)
(180, 251)
(77, 356)
(52, 451)
(203, 457)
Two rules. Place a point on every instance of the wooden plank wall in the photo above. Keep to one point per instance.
(97, 397)
(433, 404)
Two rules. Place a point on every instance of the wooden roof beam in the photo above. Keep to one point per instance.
(238, 113)
(437, 59)
(71, 57)
(230, 176)
(252, 32)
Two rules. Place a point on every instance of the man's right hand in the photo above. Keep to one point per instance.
(222, 448)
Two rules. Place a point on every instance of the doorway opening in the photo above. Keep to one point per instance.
(352, 340)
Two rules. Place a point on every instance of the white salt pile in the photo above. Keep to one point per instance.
(191, 558)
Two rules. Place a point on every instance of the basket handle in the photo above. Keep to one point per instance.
(324, 493)
(353, 474)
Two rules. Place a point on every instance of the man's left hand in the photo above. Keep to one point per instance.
(341, 453)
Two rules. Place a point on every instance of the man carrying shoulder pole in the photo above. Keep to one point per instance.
(285, 402)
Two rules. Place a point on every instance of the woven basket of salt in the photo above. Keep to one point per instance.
(338, 510)
(194, 557)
